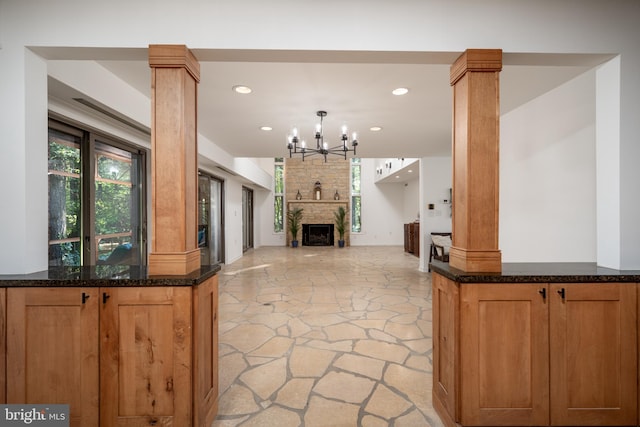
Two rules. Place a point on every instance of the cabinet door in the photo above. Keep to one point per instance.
(504, 354)
(205, 350)
(3, 346)
(593, 354)
(445, 346)
(145, 356)
(52, 349)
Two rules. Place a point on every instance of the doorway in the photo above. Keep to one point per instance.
(210, 219)
(247, 219)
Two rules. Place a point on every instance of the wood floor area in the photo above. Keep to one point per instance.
(318, 336)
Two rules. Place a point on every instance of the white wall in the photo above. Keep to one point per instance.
(382, 211)
(411, 197)
(607, 162)
(264, 215)
(548, 176)
(233, 220)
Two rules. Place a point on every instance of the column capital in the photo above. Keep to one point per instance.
(174, 56)
(482, 60)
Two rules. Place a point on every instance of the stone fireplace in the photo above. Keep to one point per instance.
(301, 176)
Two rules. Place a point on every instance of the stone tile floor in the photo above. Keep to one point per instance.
(318, 336)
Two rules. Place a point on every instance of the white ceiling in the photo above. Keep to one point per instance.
(353, 87)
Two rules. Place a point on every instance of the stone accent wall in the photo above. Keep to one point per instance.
(333, 175)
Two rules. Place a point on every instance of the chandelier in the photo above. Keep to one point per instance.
(297, 146)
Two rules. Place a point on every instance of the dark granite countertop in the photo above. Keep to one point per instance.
(103, 276)
(561, 272)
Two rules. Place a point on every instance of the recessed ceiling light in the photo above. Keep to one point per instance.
(400, 91)
(266, 128)
(375, 128)
(397, 176)
(241, 89)
(410, 171)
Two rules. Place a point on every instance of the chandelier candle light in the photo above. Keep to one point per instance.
(297, 146)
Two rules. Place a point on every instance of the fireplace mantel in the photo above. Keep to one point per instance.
(297, 202)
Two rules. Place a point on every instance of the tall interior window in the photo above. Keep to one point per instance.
(96, 199)
(356, 197)
(278, 197)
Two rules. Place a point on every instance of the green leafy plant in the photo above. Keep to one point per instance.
(341, 221)
(294, 218)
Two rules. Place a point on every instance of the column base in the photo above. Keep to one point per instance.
(473, 261)
(174, 263)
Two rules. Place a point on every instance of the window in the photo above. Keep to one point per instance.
(278, 199)
(96, 203)
(115, 214)
(64, 198)
(356, 197)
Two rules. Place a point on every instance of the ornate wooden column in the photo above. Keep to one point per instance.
(476, 130)
(175, 74)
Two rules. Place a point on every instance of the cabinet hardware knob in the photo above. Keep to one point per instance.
(543, 292)
(561, 293)
(85, 297)
(105, 297)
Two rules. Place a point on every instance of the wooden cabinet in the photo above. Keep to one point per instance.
(52, 349)
(412, 238)
(119, 356)
(145, 357)
(535, 354)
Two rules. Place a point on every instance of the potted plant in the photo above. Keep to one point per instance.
(294, 216)
(341, 224)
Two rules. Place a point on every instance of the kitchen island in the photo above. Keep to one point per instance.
(537, 344)
(118, 345)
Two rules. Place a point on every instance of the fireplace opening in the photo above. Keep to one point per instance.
(317, 234)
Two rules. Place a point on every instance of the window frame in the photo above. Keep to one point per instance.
(89, 137)
(356, 220)
(278, 162)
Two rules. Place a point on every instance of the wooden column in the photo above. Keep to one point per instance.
(175, 74)
(476, 129)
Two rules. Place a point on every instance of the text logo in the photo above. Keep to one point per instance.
(34, 415)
